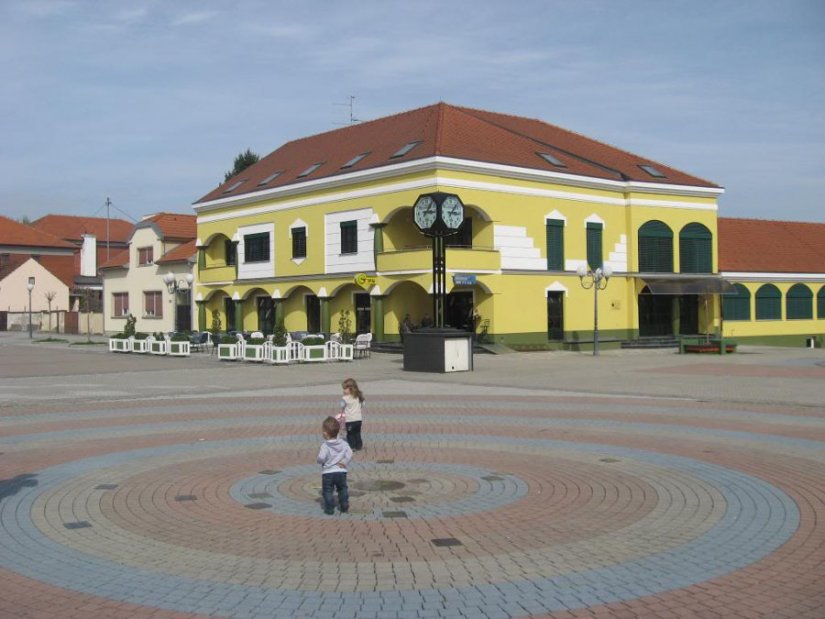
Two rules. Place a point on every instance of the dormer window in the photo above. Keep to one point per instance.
(354, 160)
(234, 186)
(405, 149)
(653, 171)
(552, 160)
(270, 178)
(310, 169)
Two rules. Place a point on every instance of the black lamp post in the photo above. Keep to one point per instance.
(597, 280)
(30, 286)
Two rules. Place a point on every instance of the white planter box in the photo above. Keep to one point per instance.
(339, 352)
(140, 346)
(118, 345)
(278, 354)
(228, 352)
(179, 349)
(315, 353)
(254, 352)
(158, 347)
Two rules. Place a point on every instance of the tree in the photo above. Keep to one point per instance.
(50, 295)
(25, 220)
(242, 162)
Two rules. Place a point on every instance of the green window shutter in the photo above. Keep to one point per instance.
(799, 303)
(594, 245)
(655, 248)
(768, 303)
(555, 245)
(695, 249)
(820, 303)
(737, 305)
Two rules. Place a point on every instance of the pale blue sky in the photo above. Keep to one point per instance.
(149, 101)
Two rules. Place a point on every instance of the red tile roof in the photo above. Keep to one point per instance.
(181, 253)
(765, 246)
(14, 233)
(64, 268)
(172, 226)
(11, 264)
(71, 227)
(448, 131)
(118, 260)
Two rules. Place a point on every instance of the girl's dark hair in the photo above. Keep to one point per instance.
(353, 388)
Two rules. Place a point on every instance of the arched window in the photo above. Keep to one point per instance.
(695, 249)
(799, 302)
(820, 303)
(737, 305)
(768, 303)
(655, 248)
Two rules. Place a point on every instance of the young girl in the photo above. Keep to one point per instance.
(352, 402)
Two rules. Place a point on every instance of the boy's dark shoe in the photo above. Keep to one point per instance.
(329, 512)
(344, 509)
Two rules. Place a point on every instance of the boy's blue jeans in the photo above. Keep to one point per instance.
(331, 482)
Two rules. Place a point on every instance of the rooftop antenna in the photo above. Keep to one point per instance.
(351, 104)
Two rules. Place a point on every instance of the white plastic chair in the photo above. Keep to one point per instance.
(363, 344)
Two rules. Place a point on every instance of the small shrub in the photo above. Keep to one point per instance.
(141, 336)
(313, 341)
(180, 337)
(120, 336)
(257, 341)
(228, 339)
(129, 329)
(279, 335)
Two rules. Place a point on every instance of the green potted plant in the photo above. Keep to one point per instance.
(120, 342)
(254, 349)
(279, 351)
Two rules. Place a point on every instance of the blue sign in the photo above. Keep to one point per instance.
(464, 280)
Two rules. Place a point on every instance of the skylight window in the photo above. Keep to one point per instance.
(234, 186)
(404, 149)
(652, 171)
(354, 160)
(310, 169)
(552, 160)
(270, 178)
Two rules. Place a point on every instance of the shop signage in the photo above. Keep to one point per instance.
(364, 280)
(464, 280)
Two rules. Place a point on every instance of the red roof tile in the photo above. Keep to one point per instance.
(14, 233)
(448, 131)
(172, 226)
(71, 227)
(181, 253)
(64, 268)
(765, 246)
(118, 260)
(11, 264)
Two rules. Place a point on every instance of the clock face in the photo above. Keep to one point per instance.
(452, 212)
(424, 212)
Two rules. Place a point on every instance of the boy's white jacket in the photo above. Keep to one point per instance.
(334, 452)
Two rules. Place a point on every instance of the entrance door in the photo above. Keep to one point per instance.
(689, 314)
(555, 315)
(183, 311)
(457, 311)
(229, 313)
(266, 315)
(363, 313)
(313, 309)
(655, 314)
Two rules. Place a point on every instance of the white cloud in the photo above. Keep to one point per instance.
(196, 17)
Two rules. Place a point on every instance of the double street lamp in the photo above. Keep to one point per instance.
(174, 286)
(597, 280)
(30, 286)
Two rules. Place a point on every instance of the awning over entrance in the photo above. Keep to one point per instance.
(689, 285)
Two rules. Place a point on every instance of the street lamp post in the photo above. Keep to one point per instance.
(597, 280)
(174, 286)
(30, 286)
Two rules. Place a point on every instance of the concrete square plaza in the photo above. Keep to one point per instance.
(549, 484)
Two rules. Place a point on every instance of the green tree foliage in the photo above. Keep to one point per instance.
(242, 162)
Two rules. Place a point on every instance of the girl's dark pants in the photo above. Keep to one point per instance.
(335, 481)
(354, 435)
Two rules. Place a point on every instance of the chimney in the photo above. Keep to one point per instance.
(88, 256)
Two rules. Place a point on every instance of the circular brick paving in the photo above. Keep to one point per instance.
(499, 507)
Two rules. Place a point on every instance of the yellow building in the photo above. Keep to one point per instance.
(324, 225)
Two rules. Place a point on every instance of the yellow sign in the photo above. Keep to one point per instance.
(364, 280)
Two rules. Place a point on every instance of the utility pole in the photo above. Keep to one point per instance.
(108, 204)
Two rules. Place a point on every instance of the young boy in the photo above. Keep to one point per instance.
(334, 458)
